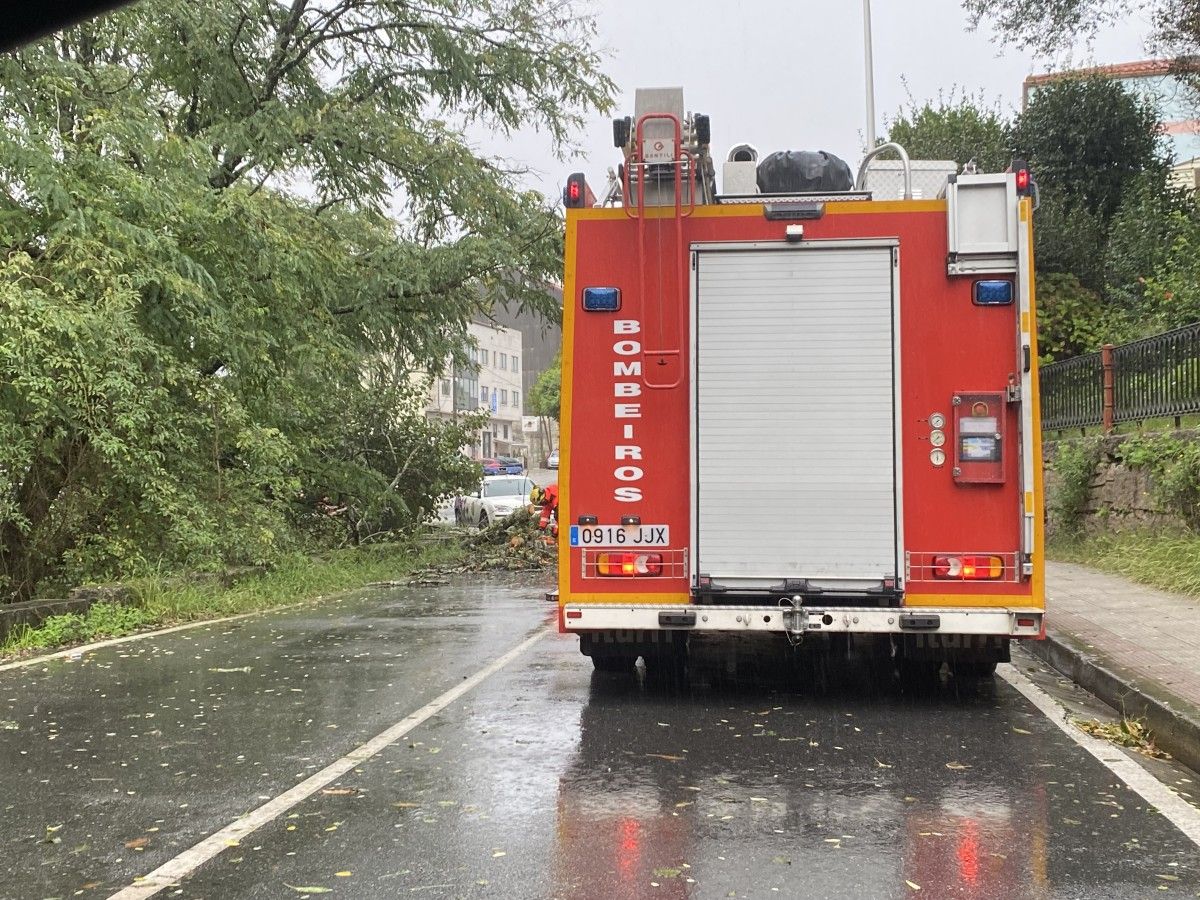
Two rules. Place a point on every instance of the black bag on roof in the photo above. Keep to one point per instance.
(803, 171)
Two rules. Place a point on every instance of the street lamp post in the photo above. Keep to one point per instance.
(870, 75)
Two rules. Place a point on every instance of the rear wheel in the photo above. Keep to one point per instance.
(613, 662)
(978, 669)
(666, 661)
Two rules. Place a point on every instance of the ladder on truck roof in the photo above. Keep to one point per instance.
(652, 157)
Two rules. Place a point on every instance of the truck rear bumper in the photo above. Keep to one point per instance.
(1012, 621)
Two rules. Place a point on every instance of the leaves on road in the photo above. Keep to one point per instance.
(1132, 733)
(308, 889)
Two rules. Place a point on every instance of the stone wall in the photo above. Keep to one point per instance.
(1121, 497)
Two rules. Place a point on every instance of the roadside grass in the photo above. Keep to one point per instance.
(1148, 426)
(162, 601)
(1169, 561)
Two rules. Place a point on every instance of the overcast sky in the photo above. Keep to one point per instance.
(788, 74)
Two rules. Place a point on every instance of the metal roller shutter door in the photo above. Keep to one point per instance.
(795, 468)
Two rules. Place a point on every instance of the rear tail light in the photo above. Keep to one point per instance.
(629, 564)
(968, 567)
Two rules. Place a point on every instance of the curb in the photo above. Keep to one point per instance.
(1174, 722)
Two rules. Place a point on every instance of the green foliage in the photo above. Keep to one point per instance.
(546, 397)
(1174, 466)
(1069, 240)
(1172, 293)
(1072, 320)
(196, 366)
(162, 601)
(1075, 465)
(955, 126)
(1143, 241)
(103, 620)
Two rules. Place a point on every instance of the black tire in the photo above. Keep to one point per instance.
(666, 666)
(612, 662)
(979, 670)
(919, 673)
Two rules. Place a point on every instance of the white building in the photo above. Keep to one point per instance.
(492, 383)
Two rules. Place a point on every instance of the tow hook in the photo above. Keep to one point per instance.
(795, 619)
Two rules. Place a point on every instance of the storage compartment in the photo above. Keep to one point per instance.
(794, 416)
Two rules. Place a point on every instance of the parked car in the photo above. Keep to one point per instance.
(493, 466)
(552, 459)
(498, 497)
(514, 465)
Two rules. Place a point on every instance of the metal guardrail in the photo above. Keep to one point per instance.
(1072, 392)
(1158, 376)
(1155, 377)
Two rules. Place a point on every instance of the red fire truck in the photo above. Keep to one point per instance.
(800, 416)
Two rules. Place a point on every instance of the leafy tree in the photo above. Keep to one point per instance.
(955, 126)
(1046, 26)
(188, 349)
(1086, 139)
(1049, 26)
(546, 397)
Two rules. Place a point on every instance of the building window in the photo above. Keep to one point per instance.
(503, 397)
(517, 399)
(483, 395)
(445, 387)
(495, 358)
(504, 361)
(516, 363)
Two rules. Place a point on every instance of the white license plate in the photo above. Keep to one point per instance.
(620, 536)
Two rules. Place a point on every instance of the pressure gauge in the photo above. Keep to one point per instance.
(937, 457)
(937, 420)
(937, 438)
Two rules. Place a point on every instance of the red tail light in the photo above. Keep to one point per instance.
(629, 564)
(968, 567)
(1023, 180)
(574, 193)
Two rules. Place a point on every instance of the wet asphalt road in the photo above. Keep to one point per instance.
(546, 780)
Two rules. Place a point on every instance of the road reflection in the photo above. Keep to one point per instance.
(718, 793)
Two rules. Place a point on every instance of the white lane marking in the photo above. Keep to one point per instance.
(170, 872)
(1174, 809)
(140, 636)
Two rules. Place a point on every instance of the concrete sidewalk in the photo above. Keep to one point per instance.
(1136, 648)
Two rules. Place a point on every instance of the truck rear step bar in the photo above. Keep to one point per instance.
(950, 620)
